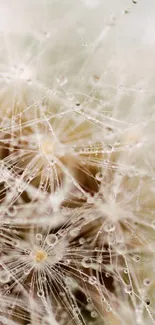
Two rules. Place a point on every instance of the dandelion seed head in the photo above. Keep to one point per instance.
(77, 163)
(40, 256)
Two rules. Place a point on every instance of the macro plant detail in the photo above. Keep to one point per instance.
(77, 185)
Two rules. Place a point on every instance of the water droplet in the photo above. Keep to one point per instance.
(108, 309)
(74, 232)
(26, 271)
(43, 279)
(52, 162)
(67, 262)
(99, 176)
(94, 314)
(103, 299)
(14, 271)
(89, 307)
(92, 280)
(107, 275)
(81, 241)
(40, 293)
(4, 276)
(20, 189)
(11, 211)
(51, 239)
(146, 282)
(27, 251)
(125, 271)
(86, 262)
(136, 257)
(126, 11)
(148, 302)
(128, 289)
(39, 237)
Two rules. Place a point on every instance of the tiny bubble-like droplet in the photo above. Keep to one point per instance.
(86, 262)
(51, 239)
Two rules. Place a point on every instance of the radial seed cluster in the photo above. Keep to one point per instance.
(77, 163)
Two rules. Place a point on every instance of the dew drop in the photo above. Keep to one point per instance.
(81, 241)
(108, 309)
(148, 302)
(4, 276)
(20, 189)
(39, 237)
(40, 293)
(86, 262)
(146, 282)
(51, 239)
(67, 262)
(125, 271)
(128, 289)
(43, 279)
(136, 257)
(27, 251)
(99, 176)
(12, 211)
(92, 280)
(93, 314)
(74, 232)
(89, 307)
(26, 271)
(107, 275)
(14, 271)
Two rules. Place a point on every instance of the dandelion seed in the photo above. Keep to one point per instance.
(146, 282)
(128, 289)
